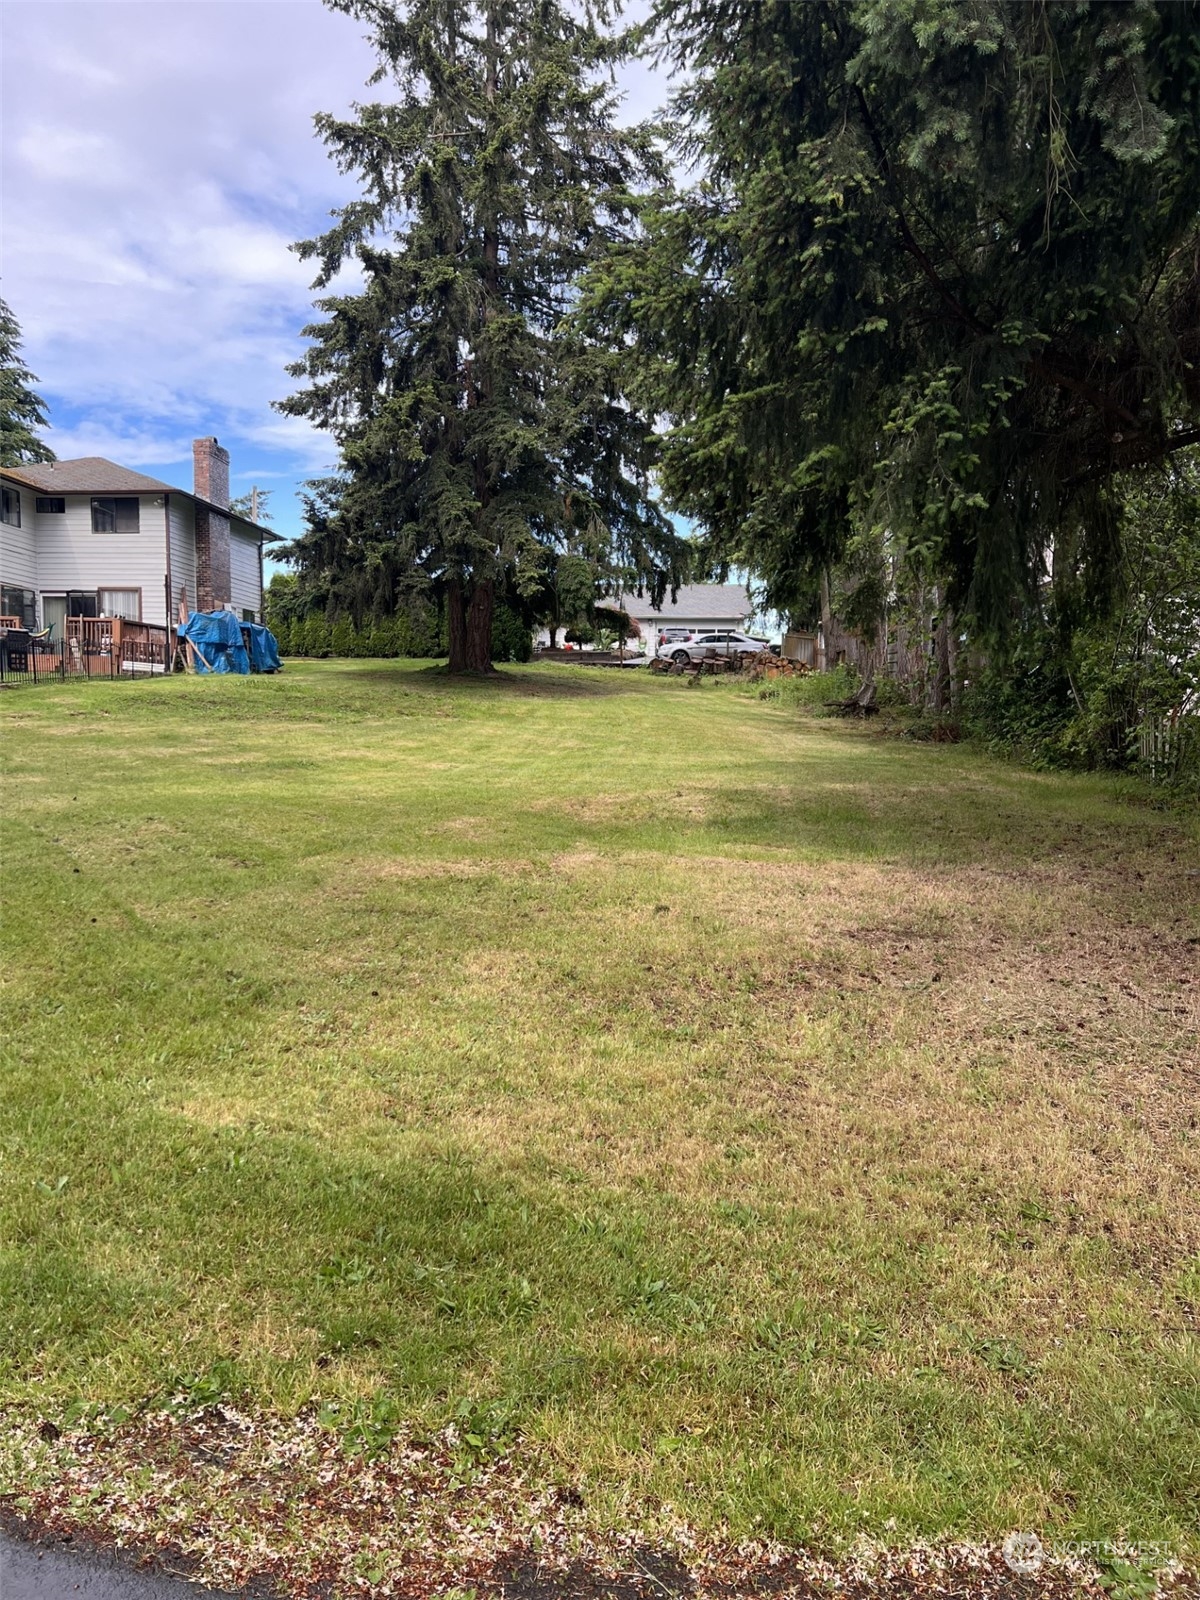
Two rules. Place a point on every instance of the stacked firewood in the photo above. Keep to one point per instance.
(709, 666)
(767, 665)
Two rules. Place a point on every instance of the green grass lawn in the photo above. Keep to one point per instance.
(741, 1110)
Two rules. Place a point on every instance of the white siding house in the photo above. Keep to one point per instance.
(183, 550)
(706, 607)
(245, 574)
(18, 556)
(91, 538)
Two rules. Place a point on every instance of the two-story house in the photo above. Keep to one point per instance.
(88, 538)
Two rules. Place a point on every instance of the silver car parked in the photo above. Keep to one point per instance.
(723, 642)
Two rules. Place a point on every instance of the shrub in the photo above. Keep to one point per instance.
(512, 639)
(813, 688)
(342, 638)
(402, 633)
(422, 622)
(1023, 706)
(383, 639)
(891, 695)
(317, 640)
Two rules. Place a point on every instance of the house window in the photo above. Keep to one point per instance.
(54, 615)
(114, 514)
(123, 603)
(10, 507)
(49, 503)
(19, 603)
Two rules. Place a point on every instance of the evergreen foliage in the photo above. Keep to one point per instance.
(512, 638)
(282, 602)
(940, 275)
(317, 639)
(22, 411)
(255, 506)
(342, 638)
(477, 428)
(1085, 689)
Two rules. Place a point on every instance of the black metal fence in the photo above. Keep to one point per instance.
(38, 661)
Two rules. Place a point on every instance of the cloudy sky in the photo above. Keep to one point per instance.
(158, 160)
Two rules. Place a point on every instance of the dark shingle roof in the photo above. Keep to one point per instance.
(98, 475)
(695, 601)
(87, 475)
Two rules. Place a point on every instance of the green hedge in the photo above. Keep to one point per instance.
(415, 635)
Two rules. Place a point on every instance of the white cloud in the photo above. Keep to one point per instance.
(70, 65)
(68, 155)
(158, 161)
(148, 447)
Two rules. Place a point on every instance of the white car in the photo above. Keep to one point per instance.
(668, 638)
(723, 642)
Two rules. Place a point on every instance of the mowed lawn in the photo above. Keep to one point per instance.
(756, 1114)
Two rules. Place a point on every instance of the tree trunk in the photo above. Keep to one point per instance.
(457, 619)
(952, 661)
(479, 627)
(823, 662)
(941, 681)
(941, 655)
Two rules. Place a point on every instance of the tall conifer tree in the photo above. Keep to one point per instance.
(21, 408)
(939, 274)
(475, 429)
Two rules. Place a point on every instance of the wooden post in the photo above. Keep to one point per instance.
(189, 648)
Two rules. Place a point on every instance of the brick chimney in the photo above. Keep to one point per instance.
(210, 473)
(211, 483)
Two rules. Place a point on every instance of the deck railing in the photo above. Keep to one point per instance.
(93, 647)
(105, 632)
(135, 642)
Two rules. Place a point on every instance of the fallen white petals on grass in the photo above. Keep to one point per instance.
(236, 1498)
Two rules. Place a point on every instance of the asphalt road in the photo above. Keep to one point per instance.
(57, 1572)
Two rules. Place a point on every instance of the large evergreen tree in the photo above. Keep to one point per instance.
(476, 428)
(22, 411)
(939, 274)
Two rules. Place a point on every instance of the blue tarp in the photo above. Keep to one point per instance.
(264, 652)
(218, 639)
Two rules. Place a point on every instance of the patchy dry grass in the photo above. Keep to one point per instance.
(790, 1127)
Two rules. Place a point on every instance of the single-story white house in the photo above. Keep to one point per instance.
(704, 606)
(89, 538)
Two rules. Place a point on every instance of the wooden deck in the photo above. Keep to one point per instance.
(130, 646)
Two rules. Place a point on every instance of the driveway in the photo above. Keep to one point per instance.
(57, 1571)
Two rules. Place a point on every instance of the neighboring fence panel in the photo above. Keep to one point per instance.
(1169, 748)
(801, 648)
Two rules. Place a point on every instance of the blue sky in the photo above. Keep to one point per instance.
(158, 160)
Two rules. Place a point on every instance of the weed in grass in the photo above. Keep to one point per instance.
(1127, 1580)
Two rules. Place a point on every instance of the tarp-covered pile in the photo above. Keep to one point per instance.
(218, 643)
(264, 652)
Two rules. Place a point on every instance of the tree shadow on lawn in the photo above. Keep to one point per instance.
(916, 814)
(536, 683)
